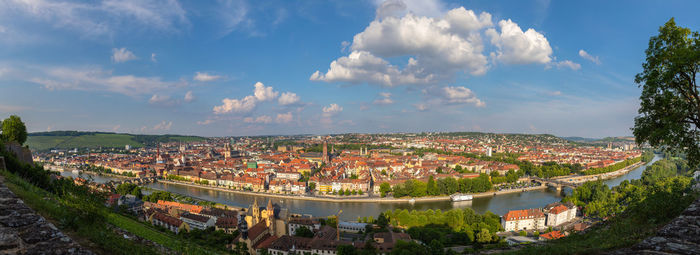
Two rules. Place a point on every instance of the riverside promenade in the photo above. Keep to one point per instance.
(366, 199)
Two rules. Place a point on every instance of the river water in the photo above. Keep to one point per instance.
(497, 204)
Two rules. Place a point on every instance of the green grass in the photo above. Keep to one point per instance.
(99, 235)
(45, 141)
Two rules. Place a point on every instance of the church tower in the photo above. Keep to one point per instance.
(324, 157)
(271, 217)
(256, 211)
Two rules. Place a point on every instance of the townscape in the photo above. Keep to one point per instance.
(343, 167)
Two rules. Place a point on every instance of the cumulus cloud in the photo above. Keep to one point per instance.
(103, 18)
(122, 55)
(260, 93)
(284, 117)
(288, 98)
(163, 125)
(435, 47)
(384, 98)
(332, 110)
(589, 57)
(567, 64)
(189, 97)
(95, 79)
(263, 119)
(263, 93)
(229, 105)
(448, 96)
(205, 77)
(518, 47)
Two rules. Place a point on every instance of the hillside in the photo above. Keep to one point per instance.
(42, 141)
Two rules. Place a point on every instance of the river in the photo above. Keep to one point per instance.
(497, 204)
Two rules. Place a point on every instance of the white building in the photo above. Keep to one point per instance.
(198, 221)
(296, 223)
(558, 213)
(351, 227)
(529, 219)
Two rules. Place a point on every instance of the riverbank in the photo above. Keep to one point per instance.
(601, 176)
(356, 200)
(61, 169)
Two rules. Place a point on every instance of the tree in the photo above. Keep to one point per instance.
(484, 236)
(384, 188)
(13, 129)
(670, 103)
(432, 187)
(312, 186)
(303, 232)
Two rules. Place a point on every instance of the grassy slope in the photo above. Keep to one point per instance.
(99, 237)
(41, 143)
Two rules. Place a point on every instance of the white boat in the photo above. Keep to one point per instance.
(411, 201)
(75, 171)
(461, 197)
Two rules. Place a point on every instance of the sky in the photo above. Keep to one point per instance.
(240, 68)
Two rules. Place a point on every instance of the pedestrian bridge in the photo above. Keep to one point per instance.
(567, 181)
(137, 181)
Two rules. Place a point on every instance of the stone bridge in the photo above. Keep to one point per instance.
(137, 181)
(572, 182)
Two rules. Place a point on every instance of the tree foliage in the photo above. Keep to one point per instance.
(670, 102)
(13, 129)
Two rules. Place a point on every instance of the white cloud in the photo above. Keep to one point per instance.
(399, 8)
(232, 15)
(163, 125)
(189, 97)
(263, 119)
(461, 95)
(284, 117)
(448, 96)
(436, 44)
(104, 18)
(385, 98)
(161, 100)
(95, 79)
(205, 122)
(153, 58)
(263, 93)
(122, 55)
(288, 98)
(555, 93)
(246, 104)
(260, 93)
(589, 57)
(567, 64)
(332, 110)
(518, 47)
(205, 77)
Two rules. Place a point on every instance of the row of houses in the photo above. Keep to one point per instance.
(552, 215)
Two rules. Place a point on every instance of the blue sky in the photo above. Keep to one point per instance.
(220, 68)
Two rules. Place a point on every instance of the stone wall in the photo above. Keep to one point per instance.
(23, 154)
(680, 236)
(22, 231)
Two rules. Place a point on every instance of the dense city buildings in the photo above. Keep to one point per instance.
(350, 165)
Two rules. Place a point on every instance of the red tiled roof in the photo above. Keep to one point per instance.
(523, 214)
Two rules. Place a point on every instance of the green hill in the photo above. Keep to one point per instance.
(42, 141)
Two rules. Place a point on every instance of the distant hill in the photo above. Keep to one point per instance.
(42, 141)
(599, 140)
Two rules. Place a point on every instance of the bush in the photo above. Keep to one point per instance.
(522, 233)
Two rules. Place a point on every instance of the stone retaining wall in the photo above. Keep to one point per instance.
(22, 231)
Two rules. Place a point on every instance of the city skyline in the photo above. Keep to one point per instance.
(240, 68)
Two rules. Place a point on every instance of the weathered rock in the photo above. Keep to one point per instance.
(22, 231)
